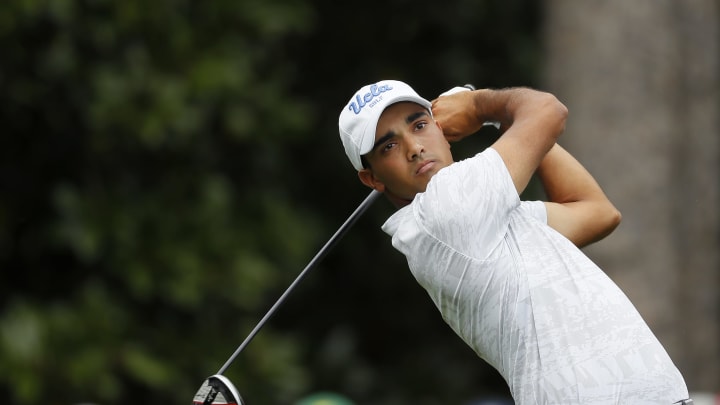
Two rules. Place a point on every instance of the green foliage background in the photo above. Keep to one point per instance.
(168, 167)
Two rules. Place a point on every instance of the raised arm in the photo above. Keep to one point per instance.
(531, 120)
(577, 208)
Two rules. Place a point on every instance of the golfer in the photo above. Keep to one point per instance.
(508, 275)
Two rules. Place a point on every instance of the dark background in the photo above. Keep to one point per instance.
(167, 168)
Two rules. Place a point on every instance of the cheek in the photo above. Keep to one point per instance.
(391, 171)
(440, 144)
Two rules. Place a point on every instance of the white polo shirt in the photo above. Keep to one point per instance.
(526, 299)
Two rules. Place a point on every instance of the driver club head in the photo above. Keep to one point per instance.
(218, 390)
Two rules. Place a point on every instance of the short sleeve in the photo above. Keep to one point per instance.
(535, 209)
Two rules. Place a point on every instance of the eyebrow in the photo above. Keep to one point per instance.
(390, 134)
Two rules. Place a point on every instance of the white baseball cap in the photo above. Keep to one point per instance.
(358, 120)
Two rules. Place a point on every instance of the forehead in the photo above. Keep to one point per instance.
(399, 113)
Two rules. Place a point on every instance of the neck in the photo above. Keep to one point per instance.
(397, 201)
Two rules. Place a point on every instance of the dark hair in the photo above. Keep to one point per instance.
(364, 162)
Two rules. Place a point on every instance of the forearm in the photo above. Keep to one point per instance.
(507, 106)
(530, 121)
(464, 113)
(582, 211)
(565, 179)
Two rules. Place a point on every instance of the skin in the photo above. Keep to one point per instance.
(577, 207)
(411, 147)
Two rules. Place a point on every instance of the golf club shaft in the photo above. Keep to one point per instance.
(319, 256)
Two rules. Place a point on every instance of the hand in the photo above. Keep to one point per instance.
(456, 114)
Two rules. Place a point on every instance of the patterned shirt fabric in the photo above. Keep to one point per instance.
(524, 297)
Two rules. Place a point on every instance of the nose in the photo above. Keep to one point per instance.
(415, 149)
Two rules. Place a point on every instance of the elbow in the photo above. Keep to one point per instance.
(616, 218)
(611, 219)
(561, 115)
(604, 222)
(560, 109)
(557, 114)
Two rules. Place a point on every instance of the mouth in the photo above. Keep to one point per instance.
(424, 167)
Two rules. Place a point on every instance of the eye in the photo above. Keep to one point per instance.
(420, 125)
(389, 146)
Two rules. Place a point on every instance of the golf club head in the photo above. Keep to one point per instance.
(218, 390)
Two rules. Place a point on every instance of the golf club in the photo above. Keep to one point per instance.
(217, 389)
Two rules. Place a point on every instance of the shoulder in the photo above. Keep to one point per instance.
(487, 159)
(469, 199)
(472, 182)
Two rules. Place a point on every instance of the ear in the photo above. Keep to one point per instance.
(368, 178)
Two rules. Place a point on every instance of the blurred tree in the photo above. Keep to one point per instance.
(135, 229)
(165, 172)
(642, 80)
